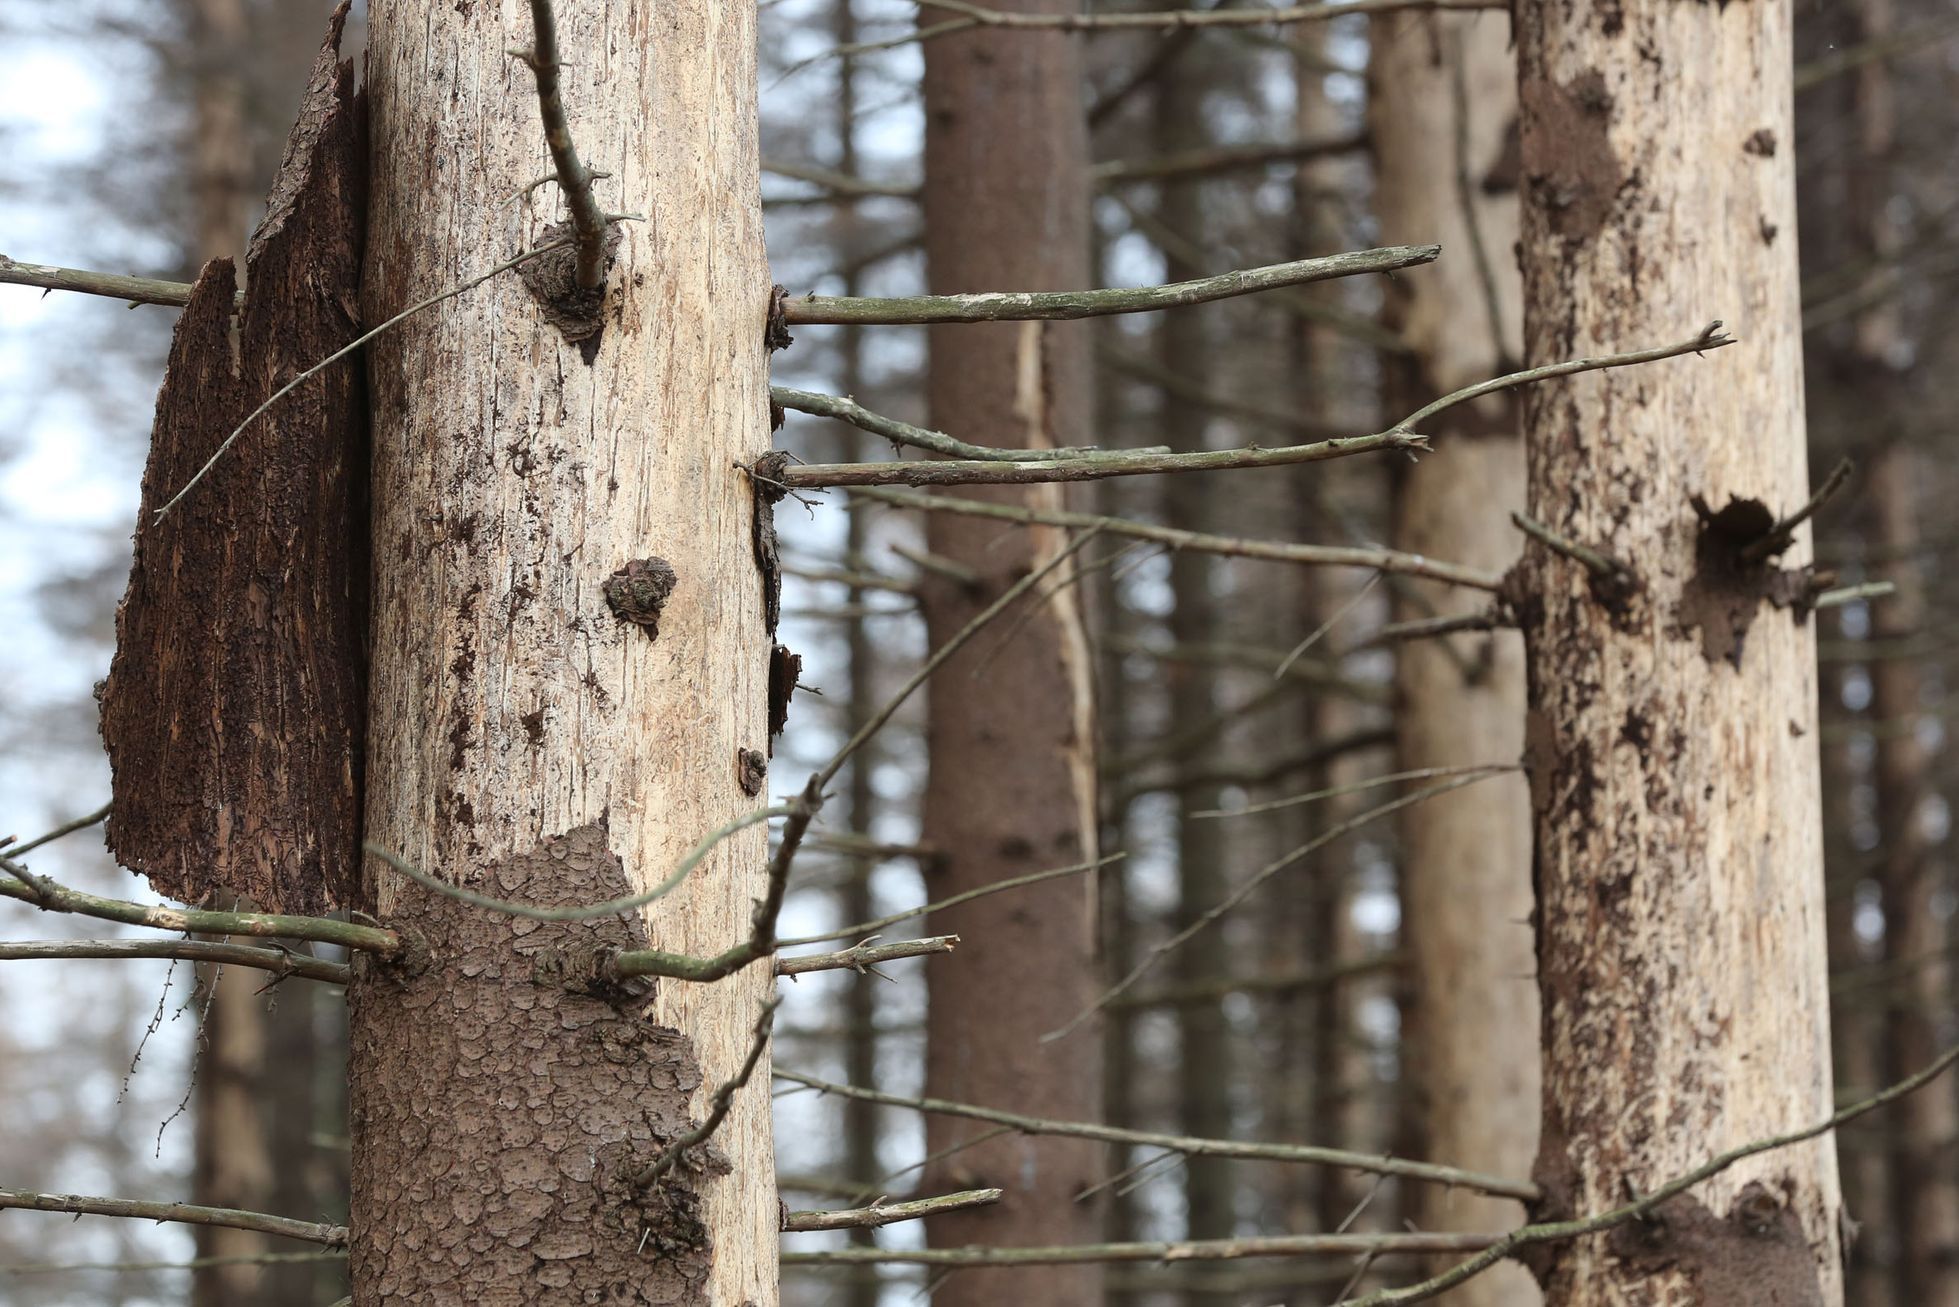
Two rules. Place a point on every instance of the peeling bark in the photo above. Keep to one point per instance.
(1678, 861)
(232, 712)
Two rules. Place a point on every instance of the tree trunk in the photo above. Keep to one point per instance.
(522, 739)
(1443, 112)
(1672, 735)
(1012, 783)
(1204, 1053)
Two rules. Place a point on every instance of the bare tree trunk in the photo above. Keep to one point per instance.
(522, 739)
(1672, 737)
(1924, 1188)
(1443, 112)
(1924, 1185)
(1183, 345)
(1012, 783)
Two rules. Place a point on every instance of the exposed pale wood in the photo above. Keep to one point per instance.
(1673, 763)
(1443, 137)
(523, 739)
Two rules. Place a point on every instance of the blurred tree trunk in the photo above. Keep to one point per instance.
(1924, 1182)
(522, 737)
(1443, 114)
(1012, 781)
(1205, 1052)
(1672, 737)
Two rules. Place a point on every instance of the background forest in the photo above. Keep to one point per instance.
(1379, 993)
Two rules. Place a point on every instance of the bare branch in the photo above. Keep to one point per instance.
(334, 1236)
(51, 897)
(66, 828)
(1043, 466)
(1383, 560)
(1067, 305)
(281, 962)
(904, 433)
(865, 956)
(1187, 1145)
(1599, 564)
(1284, 982)
(861, 928)
(1852, 593)
(881, 1213)
(110, 285)
(572, 176)
(1189, 1250)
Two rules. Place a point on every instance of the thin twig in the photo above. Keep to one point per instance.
(573, 177)
(1358, 787)
(1555, 1231)
(718, 1108)
(1188, 1250)
(49, 896)
(182, 1213)
(1425, 628)
(865, 957)
(1258, 878)
(862, 928)
(1711, 337)
(193, 1264)
(1783, 534)
(353, 345)
(1850, 594)
(845, 409)
(1043, 466)
(281, 962)
(1383, 560)
(881, 1213)
(1067, 305)
(1243, 1149)
(66, 828)
(1598, 564)
(1298, 651)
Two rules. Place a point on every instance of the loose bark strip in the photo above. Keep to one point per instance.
(1672, 730)
(1444, 149)
(233, 708)
(524, 741)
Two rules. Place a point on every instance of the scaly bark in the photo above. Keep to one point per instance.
(1011, 787)
(1443, 109)
(524, 739)
(1672, 729)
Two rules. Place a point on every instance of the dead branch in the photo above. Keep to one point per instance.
(865, 957)
(881, 1213)
(573, 177)
(281, 962)
(334, 1236)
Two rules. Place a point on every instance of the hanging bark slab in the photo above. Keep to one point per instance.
(233, 709)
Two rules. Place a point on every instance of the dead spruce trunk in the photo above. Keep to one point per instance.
(1672, 730)
(524, 740)
(1011, 788)
(1444, 121)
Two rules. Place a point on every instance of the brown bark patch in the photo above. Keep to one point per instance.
(234, 708)
(785, 674)
(638, 593)
(751, 771)
(769, 490)
(1727, 589)
(1568, 153)
(552, 278)
(509, 1110)
(1756, 1254)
